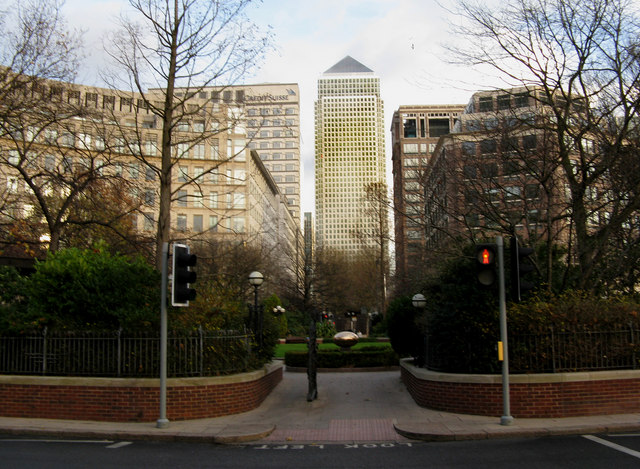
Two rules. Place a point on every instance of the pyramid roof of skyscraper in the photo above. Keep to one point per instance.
(349, 65)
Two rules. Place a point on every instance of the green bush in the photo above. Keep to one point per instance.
(13, 303)
(325, 330)
(365, 357)
(92, 288)
(572, 309)
(404, 335)
(461, 318)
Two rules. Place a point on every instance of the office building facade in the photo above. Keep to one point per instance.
(349, 152)
(222, 188)
(415, 131)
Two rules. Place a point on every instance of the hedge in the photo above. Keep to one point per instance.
(344, 359)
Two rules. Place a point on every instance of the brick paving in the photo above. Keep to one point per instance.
(351, 430)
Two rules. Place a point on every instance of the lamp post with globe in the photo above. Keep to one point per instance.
(256, 279)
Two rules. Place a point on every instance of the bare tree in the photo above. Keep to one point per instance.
(171, 52)
(373, 232)
(582, 55)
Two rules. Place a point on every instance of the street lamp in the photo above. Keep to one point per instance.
(256, 279)
(419, 301)
(278, 310)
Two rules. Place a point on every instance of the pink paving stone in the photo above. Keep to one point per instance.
(341, 430)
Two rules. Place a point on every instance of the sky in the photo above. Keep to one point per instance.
(401, 41)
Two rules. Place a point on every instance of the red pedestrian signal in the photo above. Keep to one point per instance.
(487, 256)
(486, 264)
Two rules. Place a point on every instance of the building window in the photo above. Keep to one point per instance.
(181, 222)
(148, 221)
(91, 99)
(532, 191)
(134, 170)
(182, 150)
(149, 197)
(438, 127)
(198, 151)
(504, 102)
(485, 104)
(183, 173)
(182, 198)
(237, 224)
(529, 142)
(215, 151)
(489, 170)
(108, 102)
(513, 193)
(150, 148)
(521, 100)
(238, 200)
(197, 223)
(213, 223)
(12, 184)
(213, 200)
(410, 148)
(149, 174)
(488, 146)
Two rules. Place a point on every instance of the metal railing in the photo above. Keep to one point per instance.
(556, 351)
(574, 350)
(120, 354)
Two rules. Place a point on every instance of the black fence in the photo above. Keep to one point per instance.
(556, 351)
(120, 354)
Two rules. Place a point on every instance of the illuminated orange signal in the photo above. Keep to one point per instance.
(486, 263)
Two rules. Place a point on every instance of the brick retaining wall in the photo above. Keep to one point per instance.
(542, 396)
(134, 400)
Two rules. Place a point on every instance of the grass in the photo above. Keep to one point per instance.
(282, 348)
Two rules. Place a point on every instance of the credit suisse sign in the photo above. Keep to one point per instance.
(268, 97)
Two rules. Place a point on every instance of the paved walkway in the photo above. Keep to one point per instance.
(351, 408)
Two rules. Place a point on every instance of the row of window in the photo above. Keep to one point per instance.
(275, 145)
(414, 127)
(281, 167)
(234, 224)
(272, 123)
(411, 148)
(503, 102)
(233, 200)
(276, 111)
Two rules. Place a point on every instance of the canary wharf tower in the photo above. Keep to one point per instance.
(349, 151)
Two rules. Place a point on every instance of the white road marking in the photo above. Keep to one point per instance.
(622, 449)
(119, 445)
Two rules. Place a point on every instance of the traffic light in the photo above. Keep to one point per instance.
(183, 276)
(519, 254)
(486, 270)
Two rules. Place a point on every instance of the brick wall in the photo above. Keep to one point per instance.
(549, 395)
(129, 400)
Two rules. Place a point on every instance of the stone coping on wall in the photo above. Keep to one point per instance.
(429, 375)
(246, 377)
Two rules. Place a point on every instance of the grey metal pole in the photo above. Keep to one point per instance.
(162, 421)
(506, 418)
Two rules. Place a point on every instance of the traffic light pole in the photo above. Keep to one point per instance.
(506, 418)
(162, 421)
